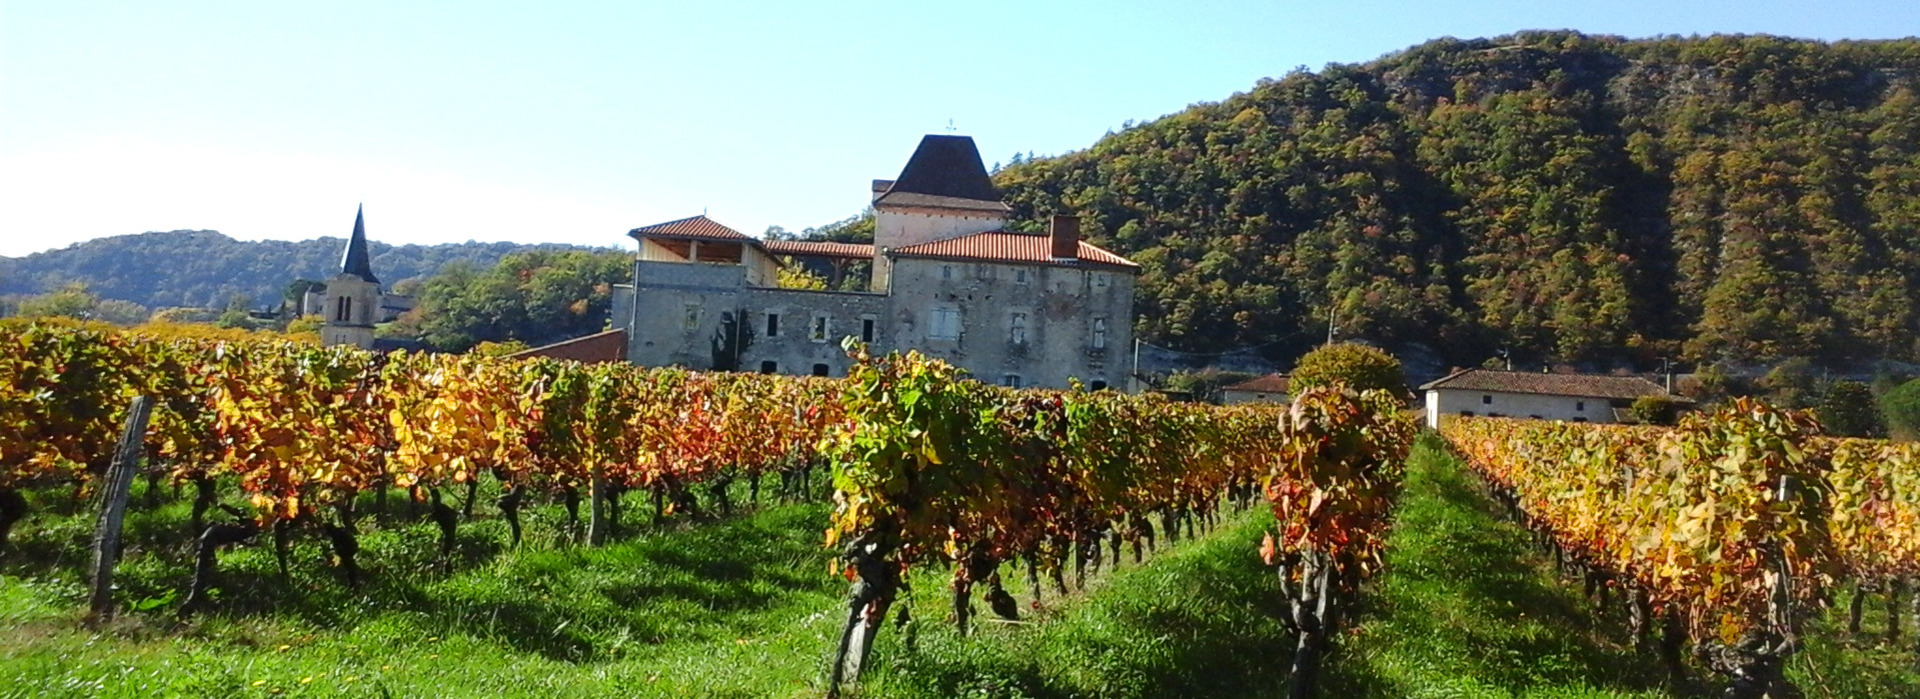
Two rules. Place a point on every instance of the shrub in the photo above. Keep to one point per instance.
(1847, 410)
(1655, 410)
(1901, 409)
(1349, 364)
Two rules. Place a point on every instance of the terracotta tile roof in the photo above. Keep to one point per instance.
(1271, 383)
(1582, 385)
(1002, 246)
(819, 248)
(698, 227)
(609, 346)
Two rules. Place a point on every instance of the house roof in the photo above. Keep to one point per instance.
(940, 202)
(946, 167)
(355, 261)
(1003, 246)
(819, 248)
(693, 227)
(1271, 383)
(609, 346)
(1582, 385)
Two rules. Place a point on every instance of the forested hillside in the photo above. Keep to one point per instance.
(1574, 198)
(208, 269)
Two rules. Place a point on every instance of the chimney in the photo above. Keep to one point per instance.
(880, 187)
(1063, 237)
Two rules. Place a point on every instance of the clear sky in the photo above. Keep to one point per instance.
(576, 121)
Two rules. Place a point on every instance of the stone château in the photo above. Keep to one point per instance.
(948, 279)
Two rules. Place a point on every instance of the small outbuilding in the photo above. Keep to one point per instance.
(1570, 397)
(1271, 388)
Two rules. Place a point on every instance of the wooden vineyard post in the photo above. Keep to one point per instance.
(118, 485)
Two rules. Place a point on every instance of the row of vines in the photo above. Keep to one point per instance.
(933, 469)
(1726, 532)
(928, 467)
(305, 430)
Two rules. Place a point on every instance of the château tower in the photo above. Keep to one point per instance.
(353, 296)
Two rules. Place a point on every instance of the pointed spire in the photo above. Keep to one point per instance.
(355, 261)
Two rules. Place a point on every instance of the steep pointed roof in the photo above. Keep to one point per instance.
(355, 260)
(944, 170)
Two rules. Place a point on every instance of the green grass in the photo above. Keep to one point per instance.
(1200, 620)
(1466, 609)
(726, 608)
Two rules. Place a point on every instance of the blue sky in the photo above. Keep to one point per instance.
(574, 122)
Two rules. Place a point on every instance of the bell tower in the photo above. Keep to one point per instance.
(353, 296)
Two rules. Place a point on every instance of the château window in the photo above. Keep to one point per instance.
(820, 370)
(1580, 406)
(945, 324)
(1017, 329)
(1099, 280)
(818, 331)
(1020, 276)
(984, 272)
(1097, 385)
(773, 325)
(866, 329)
(769, 367)
(692, 321)
(343, 309)
(946, 271)
(1099, 333)
(1010, 380)
(1486, 400)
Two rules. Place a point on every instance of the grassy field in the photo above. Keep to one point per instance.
(743, 606)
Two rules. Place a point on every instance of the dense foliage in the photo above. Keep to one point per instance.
(535, 297)
(1569, 197)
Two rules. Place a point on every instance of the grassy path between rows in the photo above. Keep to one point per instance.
(1468, 608)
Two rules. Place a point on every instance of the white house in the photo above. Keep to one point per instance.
(1570, 397)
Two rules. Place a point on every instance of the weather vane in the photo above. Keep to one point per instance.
(950, 127)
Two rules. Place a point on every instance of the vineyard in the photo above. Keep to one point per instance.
(1727, 534)
(927, 468)
(903, 531)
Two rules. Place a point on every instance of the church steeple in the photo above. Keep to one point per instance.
(355, 261)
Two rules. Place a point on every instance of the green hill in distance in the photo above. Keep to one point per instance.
(1574, 198)
(208, 269)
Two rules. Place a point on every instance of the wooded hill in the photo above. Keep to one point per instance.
(205, 269)
(1574, 198)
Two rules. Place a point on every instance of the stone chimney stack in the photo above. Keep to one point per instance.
(1063, 237)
